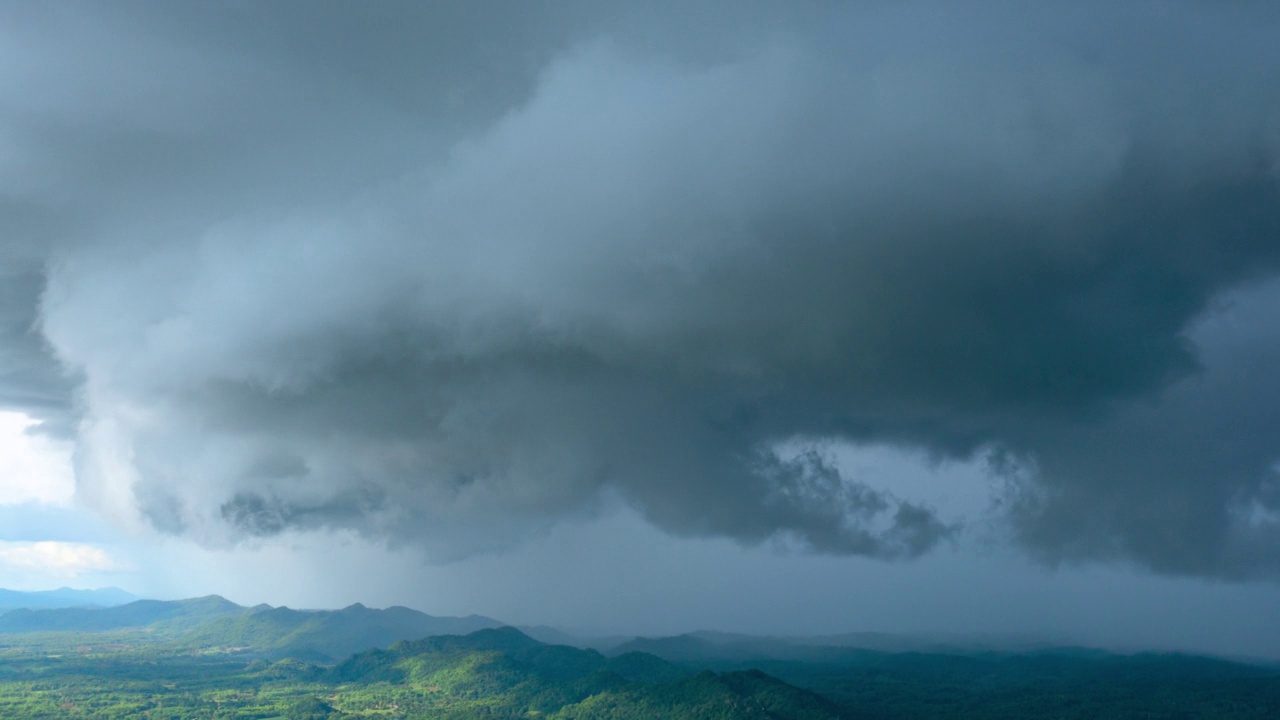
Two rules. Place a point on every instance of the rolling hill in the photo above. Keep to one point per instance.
(502, 672)
(207, 657)
(326, 635)
(1059, 682)
(215, 623)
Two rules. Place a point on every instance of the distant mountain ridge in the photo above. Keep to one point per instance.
(707, 646)
(327, 635)
(213, 622)
(63, 598)
(461, 666)
(137, 614)
(399, 662)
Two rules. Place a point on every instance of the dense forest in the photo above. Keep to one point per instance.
(494, 673)
(209, 658)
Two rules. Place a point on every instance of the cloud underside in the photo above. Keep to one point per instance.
(450, 299)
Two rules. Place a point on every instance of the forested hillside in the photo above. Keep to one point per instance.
(495, 673)
(210, 658)
(1058, 683)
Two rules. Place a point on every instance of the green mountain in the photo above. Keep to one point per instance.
(325, 635)
(216, 624)
(749, 695)
(504, 673)
(1062, 682)
(208, 657)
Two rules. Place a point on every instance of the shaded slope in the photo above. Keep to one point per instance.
(750, 695)
(508, 674)
(1064, 683)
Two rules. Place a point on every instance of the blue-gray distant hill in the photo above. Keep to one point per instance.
(137, 614)
(706, 646)
(215, 623)
(326, 635)
(63, 598)
(946, 680)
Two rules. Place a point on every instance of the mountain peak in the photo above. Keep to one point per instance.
(211, 601)
(502, 638)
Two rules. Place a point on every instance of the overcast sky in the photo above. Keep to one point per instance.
(773, 317)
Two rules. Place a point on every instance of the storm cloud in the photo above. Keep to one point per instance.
(446, 276)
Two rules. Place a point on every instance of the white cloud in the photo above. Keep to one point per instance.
(34, 468)
(53, 558)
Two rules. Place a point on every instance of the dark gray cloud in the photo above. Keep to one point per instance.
(446, 276)
(1188, 482)
(30, 376)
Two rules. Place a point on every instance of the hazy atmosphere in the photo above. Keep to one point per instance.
(912, 317)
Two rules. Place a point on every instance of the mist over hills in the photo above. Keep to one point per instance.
(215, 622)
(64, 597)
(710, 646)
(137, 614)
(354, 662)
(208, 655)
(327, 635)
